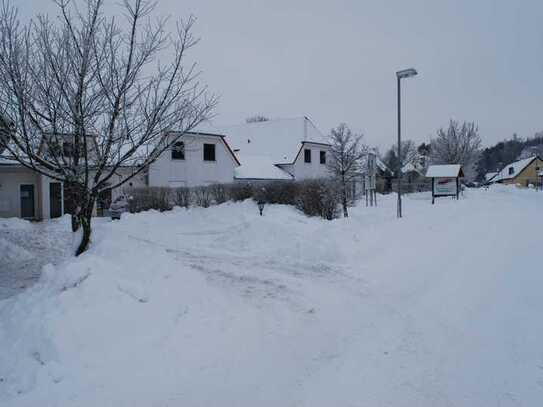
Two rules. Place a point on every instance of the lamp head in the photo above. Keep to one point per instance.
(406, 73)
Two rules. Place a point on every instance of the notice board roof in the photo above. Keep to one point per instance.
(445, 171)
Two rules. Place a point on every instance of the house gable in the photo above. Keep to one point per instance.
(522, 171)
(199, 164)
(532, 169)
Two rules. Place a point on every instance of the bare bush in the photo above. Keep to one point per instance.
(218, 193)
(240, 192)
(280, 192)
(143, 199)
(203, 196)
(182, 197)
(319, 198)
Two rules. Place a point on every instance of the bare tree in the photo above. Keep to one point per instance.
(409, 154)
(91, 97)
(346, 153)
(257, 118)
(459, 144)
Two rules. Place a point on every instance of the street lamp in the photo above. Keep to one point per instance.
(405, 73)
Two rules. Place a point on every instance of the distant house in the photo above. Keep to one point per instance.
(413, 178)
(489, 176)
(279, 149)
(383, 176)
(27, 194)
(522, 172)
(273, 150)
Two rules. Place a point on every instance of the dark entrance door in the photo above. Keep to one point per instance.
(27, 201)
(55, 200)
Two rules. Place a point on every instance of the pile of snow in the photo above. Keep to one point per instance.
(222, 306)
(12, 252)
(14, 223)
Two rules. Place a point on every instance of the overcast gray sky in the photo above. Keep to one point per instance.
(334, 61)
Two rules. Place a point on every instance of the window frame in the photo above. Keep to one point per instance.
(307, 157)
(322, 157)
(511, 170)
(173, 150)
(214, 152)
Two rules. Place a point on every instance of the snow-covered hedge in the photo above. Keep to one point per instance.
(318, 197)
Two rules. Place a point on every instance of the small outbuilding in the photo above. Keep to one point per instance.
(445, 180)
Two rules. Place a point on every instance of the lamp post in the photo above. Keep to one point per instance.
(406, 73)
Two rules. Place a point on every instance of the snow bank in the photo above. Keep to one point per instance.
(222, 306)
(14, 223)
(12, 252)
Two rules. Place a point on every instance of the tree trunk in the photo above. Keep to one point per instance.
(76, 222)
(344, 201)
(85, 220)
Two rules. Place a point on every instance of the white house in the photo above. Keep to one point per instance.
(294, 146)
(283, 149)
(28, 194)
(197, 158)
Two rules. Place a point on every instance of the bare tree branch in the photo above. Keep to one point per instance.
(87, 97)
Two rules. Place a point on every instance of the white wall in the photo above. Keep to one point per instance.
(193, 170)
(44, 196)
(10, 200)
(137, 181)
(302, 170)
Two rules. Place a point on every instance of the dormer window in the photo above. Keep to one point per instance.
(307, 155)
(178, 151)
(511, 170)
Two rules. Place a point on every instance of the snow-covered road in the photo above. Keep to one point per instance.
(220, 306)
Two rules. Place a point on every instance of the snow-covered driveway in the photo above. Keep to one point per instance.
(26, 247)
(220, 306)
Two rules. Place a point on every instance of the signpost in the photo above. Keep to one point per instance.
(370, 180)
(445, 180)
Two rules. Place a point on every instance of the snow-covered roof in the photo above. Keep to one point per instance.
(259, 167)
(410, 167)
(517, 168)
(444, 171)
(490, 175)
(280, 140)
(380, 164)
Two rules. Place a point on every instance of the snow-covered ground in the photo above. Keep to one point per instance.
(220, 306)
(26, 247)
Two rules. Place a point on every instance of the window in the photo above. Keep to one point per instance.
(511, 170)
(307, 155)
(178, 151)
(209, 152)
(323, 157)
(67, 149)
